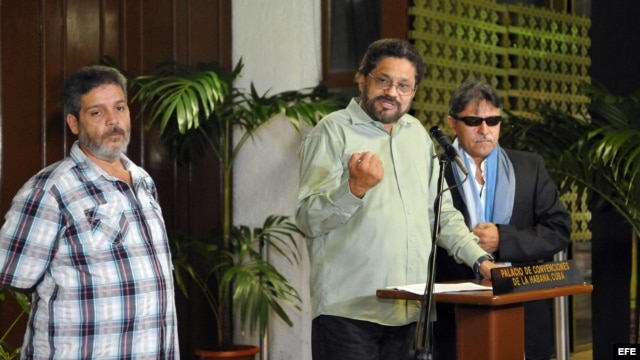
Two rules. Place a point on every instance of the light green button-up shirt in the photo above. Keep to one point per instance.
(357, 246)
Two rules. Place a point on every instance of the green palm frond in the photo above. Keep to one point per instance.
(196, 109)
(259, 287)
(189, 100)
(240, 273)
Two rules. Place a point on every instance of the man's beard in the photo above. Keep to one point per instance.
(375, 114)
(104, 152)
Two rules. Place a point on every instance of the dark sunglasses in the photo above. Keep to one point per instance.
(476, 120)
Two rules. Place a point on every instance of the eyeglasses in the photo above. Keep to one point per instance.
(386, 84)
(477, 121)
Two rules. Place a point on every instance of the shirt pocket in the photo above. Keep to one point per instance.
(108, 224)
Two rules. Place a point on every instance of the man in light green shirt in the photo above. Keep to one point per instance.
(368, 182)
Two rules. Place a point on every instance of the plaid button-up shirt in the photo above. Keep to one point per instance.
(96, 252)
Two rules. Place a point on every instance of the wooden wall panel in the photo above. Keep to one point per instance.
(202, 48)
(111, 27)
(82, 32)
(158, 31)
(56, 137)
(22, 127)
(42, 41)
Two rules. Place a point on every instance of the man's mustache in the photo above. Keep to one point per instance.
(389, 99)
(483, 138)
(115, 130)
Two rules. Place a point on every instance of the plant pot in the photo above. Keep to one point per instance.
(236, 352)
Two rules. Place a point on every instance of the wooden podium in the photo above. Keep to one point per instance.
(490, 326)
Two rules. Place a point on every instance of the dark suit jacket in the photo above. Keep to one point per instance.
(540, 226)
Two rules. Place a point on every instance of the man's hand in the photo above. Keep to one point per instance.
(365, 172)
(485, 268)
(489, 236)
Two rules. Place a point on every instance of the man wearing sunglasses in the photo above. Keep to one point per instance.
(509, 201)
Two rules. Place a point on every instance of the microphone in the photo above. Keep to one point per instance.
(449, 150)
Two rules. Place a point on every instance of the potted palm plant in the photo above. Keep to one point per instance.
(196, 111)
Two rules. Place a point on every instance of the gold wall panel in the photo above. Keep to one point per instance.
(528, 54)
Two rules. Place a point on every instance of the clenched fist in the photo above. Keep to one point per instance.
(365, 172)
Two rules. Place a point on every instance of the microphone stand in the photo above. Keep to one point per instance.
(422, 344)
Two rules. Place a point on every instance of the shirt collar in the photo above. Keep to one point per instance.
(94, 171)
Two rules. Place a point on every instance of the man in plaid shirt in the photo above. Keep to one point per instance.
(86, 234)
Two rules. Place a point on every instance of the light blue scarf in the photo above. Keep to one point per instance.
(500, 187)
